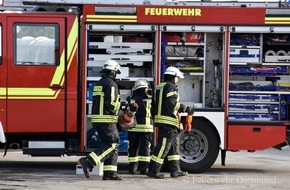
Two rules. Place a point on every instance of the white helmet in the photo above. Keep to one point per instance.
(174, 71)
(113, 66)
(140, 83)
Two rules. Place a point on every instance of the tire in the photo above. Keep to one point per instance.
(199, 148)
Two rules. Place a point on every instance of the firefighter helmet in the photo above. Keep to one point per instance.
(140, 83)
(113, 66)
(174, 71)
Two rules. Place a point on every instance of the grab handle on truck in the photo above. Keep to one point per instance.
(56, 87)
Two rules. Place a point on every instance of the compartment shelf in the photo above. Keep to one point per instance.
(134, 52)
(184, 44)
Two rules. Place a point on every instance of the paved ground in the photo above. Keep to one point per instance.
(265, 170)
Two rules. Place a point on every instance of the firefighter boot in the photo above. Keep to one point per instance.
(132, 167)
(112, 176)
(143, 168)
(155, 175)
(178, 174)
(86, 166)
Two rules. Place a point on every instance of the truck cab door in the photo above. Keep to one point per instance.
(36, 74)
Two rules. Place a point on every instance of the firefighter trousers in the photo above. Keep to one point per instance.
(108, 151)
(167, 148)
(139, 151)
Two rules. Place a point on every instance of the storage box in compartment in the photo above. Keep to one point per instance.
(124, 73)
(256, 107)
(140, 72)
(252, 117)
(123, 145)
(123, 142)
(274, 58)
(90, 90)
(89, 108)
(94, 71)
(113, 38)
(253, 71)
(124, 94)
(253, 97)
(245, 55)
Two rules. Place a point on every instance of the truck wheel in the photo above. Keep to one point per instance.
(199, 148)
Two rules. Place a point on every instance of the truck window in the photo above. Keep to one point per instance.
(36, 44)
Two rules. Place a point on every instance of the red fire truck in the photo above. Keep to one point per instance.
(235, 57)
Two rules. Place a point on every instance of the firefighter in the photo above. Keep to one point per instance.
(105, 110)
(166, 117)
(140, 136)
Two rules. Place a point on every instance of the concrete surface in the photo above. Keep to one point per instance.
(269, 169)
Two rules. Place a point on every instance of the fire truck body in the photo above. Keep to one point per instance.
(38, 92)
(235, 60)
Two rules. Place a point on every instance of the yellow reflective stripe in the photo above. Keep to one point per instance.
(176, 108)
(58, 77)
(102, 104)
(30, 92)
(158, 160)
(98, 93)
(144, 158)
(160, 87)
(110, 16)
(104, 116)
(113, 96)
(110, 168)
(117, 108)
(142, 128)
(171, 93)
(95, 158)
(133, 159)
(71, 43)
(148, 112)
(166, 120)
(3, 93)
(162, 148)
(160, 102)
(108, 151)
(115, 99)
(104, 119)
(173, 157)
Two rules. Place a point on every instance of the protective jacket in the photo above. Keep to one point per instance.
(106, 101)
(144, 121)
(166, 105)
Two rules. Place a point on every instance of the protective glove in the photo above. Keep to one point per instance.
(188, 122)
(133, 107)
(182, 108)
(189, 110)
(123, 105)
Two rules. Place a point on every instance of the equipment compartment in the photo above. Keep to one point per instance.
(258, 90)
